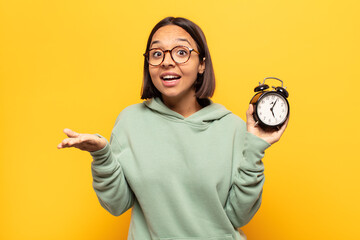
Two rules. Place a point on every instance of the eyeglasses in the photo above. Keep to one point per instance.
(179, 54)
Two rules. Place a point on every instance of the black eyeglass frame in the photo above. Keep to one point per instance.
(146, 55)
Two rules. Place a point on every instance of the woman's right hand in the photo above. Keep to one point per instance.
(85, 142)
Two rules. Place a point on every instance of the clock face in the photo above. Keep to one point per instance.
(272, 109)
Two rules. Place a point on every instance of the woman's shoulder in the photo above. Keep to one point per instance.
(133, 109)
(131, 112)
(231, 118)
(235, 120)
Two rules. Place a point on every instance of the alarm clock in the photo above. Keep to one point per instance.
(271, 107)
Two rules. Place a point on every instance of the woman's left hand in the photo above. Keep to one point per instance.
(270, 136)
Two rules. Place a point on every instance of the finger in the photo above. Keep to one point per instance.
(283, 127)
(250, 110)
(70, 133)
(68, 142)
(65, 143)
(280, 132)
(249, 115)
(61, 145)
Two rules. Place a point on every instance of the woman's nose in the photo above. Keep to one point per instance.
(168, 59)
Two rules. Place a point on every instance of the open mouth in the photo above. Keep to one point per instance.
(170, 77)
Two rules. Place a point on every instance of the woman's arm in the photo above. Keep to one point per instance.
(109, 181)
(244, 197)
(245, 194)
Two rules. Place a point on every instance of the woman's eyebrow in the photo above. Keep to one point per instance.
(184, 39)
(178, 39)
(154, 42)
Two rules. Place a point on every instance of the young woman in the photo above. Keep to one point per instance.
(188, 167)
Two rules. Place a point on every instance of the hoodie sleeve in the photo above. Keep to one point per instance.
(244, 197)
(109, 181)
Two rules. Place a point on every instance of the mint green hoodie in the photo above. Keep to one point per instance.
(194, 178)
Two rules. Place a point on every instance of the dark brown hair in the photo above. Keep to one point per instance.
(205, 83)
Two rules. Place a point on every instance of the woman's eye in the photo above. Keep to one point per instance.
(182, 52)
(157, 54)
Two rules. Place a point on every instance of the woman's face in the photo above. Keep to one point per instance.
(162, 76)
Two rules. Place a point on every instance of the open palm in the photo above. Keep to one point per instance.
(82, 141)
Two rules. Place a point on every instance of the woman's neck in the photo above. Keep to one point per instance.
(186, 106)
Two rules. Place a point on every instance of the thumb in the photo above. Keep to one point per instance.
(249, 114)
(70, 133)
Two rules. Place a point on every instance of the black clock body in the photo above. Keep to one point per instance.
(271, 107)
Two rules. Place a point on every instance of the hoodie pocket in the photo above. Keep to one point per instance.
(224, 237)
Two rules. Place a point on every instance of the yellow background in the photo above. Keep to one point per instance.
(78, 63)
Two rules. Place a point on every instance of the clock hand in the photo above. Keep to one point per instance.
(271, 109)
(274, 103)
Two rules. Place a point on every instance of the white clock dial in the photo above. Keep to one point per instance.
(272, 109)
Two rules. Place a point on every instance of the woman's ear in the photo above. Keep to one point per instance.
(202, 66)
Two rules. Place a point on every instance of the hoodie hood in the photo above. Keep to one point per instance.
(204, 116)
